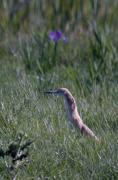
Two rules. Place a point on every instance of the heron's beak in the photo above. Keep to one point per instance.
(51, 92)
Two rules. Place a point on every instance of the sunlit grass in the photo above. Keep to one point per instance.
(59, 152)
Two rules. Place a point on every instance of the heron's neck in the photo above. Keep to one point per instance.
(70, 106)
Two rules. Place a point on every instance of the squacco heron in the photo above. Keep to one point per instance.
(73, 115)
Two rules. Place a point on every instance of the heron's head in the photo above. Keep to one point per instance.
(60, 91)
(69, 99)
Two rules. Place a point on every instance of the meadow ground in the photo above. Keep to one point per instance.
(86, 64)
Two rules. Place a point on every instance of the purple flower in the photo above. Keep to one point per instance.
(56, 36)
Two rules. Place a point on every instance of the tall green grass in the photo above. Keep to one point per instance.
(86, 65)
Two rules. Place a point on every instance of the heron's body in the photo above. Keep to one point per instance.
(72, 112)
